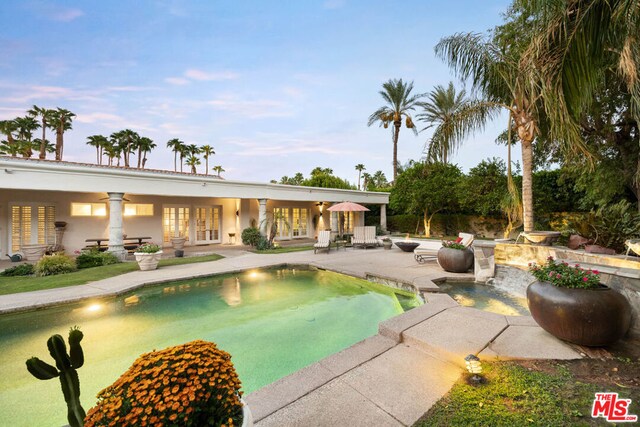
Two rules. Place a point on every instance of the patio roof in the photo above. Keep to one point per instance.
(32, 174)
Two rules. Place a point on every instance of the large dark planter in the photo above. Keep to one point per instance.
(407, 246)
(455, 260)
(589, 317)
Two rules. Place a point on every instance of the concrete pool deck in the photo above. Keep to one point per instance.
(390, 379)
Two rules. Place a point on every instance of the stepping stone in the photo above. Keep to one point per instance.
(529, 342)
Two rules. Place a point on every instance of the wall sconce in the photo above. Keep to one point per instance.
(237, 212)
(474, 367)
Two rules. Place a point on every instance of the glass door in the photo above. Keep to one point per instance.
(208, 225)
(175, 222)
(299, 225)
(281, 218)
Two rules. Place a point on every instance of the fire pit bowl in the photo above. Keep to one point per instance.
(407, 246)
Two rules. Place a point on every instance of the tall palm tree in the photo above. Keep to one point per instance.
(7, 128)
(190, 150)
(145, 145)
(46, 116)
(366, 180)
(359, 167)
(497, 77)
(193, 161)
(176, 146)
(379, 179)
(25, 127)
(99, 142)
(400, 102)
(112, 150)
(437, 112)
(61, 121)
(207, 151)
(218, 170)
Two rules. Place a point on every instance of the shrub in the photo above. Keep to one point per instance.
(50, 265)
(564, 276)
(250, 236)
(95, 258)
(193, 384)
(616, 223)
(263, 244)
(148, 248)
(18, 270)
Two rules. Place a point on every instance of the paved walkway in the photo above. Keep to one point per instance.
(390, 379)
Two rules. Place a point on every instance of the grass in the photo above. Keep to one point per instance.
(284, 250)
(516, 395)
(13, 285)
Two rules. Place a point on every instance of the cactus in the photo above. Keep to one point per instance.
(65, 369)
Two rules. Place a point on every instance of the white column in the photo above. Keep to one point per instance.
(334, 222)
(262, 216)
(116, 246)
(383, 217)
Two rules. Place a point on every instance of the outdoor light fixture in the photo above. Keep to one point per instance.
(237, 213)
(474, 367)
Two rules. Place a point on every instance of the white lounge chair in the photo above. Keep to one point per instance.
(358, 238)
(324, 238)
(424, 255)
(370, 237)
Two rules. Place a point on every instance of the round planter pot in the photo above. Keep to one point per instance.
(455, 260)
(407, 246)
(247, 417)
(148, 261)
(387, 245)
(178, 242)
(589, 317)
(33, 252)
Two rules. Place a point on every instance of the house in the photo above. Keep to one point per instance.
(103, 202)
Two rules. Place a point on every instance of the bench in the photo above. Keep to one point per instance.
(130, 243)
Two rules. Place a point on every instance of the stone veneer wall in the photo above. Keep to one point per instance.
(508, 261)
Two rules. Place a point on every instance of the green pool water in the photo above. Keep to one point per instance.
(273, 322)
(486, 297)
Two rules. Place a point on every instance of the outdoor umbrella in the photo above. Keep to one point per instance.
(346, 207)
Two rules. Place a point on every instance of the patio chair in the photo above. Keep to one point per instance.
(358, 238)
(423, 255)
(370, 237)
(324, 238)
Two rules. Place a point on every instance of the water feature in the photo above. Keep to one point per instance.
(486, 297)
(273, 322)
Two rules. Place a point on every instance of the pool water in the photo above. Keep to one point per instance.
(273, 322)
(485, 297)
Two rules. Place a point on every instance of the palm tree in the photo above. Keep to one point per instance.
(99, 142)
(193, 161)
(191, 150)
(443, 103)
(49, 148)
(112, 150)
(366, 180)
(46, 116)
(359, 167)
(145, 145)
(61, 121)
(496, 76)
(7, 128)
(400, 103)
(25, 127)
(379, 180)
(218, 169)
(206, 151)
(176, 146)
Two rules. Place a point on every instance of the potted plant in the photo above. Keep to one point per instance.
(387, 243)
(193, 384)
(455, 257)
(570, 303)
(148, 255)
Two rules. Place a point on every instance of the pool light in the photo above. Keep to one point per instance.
(474, 367)
(93, 308)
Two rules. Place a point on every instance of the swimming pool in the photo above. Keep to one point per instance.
(486, 297)
(273, 322)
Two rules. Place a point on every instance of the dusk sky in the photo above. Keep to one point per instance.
(275, 87)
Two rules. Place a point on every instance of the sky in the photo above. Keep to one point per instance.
(276, 87)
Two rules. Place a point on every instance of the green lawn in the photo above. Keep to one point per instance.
(13, 285)
(516, 395)
(284, 250)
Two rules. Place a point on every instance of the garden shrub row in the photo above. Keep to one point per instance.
(60, 263)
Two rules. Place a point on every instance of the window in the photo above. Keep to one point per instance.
(299, 225)
(138, 209)
(88, 209)
(31, 225)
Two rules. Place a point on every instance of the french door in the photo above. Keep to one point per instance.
(292, 222)
(175, 222)
(208, 224)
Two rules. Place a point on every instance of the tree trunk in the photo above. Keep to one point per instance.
(97, 155)
(59, 142)
(43, 143)
(527, 185)
(206, 165)
(175, 161)
(358, 180)
(139, 157)
(427, 223)
(396, 132)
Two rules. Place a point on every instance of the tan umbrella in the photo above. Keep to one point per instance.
(346, 207)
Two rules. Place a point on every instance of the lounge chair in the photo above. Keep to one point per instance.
(370, 237)
(423, 255)
(358, 238)
(324, 238)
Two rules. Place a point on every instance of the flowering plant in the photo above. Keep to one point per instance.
(452, 245)
(194, 384)
(148, 248)
(563, 275)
